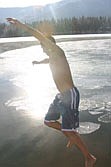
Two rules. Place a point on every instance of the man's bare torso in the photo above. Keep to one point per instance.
(60, 70)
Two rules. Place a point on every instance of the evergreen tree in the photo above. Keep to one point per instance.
(62, 26)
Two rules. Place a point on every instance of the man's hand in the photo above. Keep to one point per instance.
(12, 20)
(35, 62)
(45, 61)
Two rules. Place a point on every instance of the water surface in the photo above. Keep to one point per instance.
(26, 92)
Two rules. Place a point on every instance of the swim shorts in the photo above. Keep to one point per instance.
(66, 105)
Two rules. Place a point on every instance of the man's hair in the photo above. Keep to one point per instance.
(51, 39)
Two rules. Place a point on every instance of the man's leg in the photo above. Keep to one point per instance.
(74, 138)
(56, 125)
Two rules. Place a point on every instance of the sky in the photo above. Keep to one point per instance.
(22, 3)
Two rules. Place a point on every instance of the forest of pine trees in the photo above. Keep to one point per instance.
(66, 26)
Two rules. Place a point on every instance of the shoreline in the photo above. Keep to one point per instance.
(4, 47)
(7, 44)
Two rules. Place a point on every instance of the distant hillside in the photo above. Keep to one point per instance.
(64, 8)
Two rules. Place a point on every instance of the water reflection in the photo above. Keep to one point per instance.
(36, 81)
(36, 85)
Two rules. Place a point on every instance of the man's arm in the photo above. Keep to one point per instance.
(45, 61)
(37, 34)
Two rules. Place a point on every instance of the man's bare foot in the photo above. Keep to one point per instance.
(90, 161)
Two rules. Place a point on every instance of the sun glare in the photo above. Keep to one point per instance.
(37, 88)
(35, 82)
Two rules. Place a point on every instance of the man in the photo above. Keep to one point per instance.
(66, 103)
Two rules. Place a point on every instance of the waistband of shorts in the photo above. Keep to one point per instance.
(71, 89)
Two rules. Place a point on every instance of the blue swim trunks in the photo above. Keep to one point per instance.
(66, 105)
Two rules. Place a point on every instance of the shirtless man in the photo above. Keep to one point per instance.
(66, 103)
